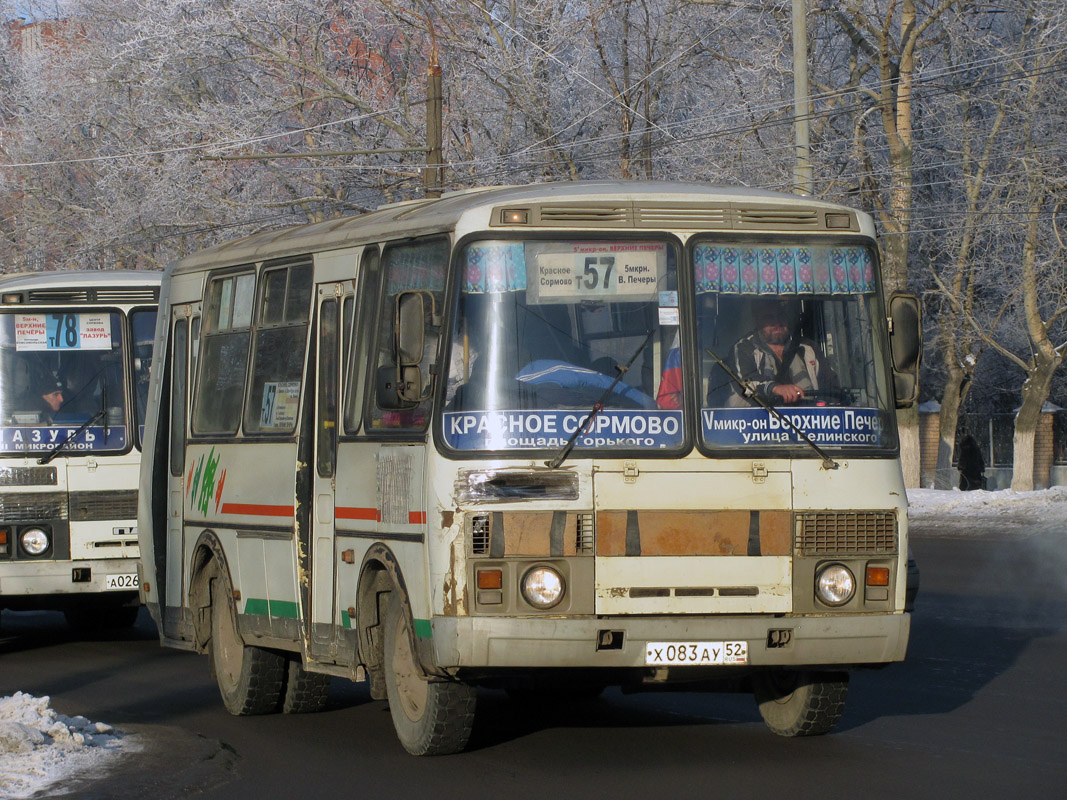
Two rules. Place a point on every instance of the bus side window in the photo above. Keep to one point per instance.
(326, 444)
(418, 266)
(178, 398)
(227, 331)
(363, 332)
(279, 348)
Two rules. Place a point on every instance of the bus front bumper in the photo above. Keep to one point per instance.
(96, 576)
(515, 642)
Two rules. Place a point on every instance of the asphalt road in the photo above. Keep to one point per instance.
(977, 710)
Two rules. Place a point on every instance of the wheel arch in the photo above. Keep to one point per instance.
(208, 563)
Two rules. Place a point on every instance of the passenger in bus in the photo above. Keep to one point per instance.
(46, 398)
(781, 366)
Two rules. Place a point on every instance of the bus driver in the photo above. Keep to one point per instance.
(782, 366)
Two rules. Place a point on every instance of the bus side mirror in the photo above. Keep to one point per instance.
(398, 388)
(409, 325)
(906, 346)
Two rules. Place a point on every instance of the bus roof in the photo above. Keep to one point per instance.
(419, 217)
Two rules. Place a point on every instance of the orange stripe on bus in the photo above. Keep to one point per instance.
(349, 512)
(417, 517)
(256, 510)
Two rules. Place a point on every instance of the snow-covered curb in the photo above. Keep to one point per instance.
(979, 503)
(39, 748)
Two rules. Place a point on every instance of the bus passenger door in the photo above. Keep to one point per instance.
(184, 330)
(323, 637)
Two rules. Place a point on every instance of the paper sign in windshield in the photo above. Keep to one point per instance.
(62, 331)
(539, 430)
(740, 427)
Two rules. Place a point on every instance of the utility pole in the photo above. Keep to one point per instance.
(433, 174)
(803, 179)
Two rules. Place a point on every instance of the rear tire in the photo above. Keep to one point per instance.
(305, 692)
(801, 702)
(250, 678)
(431, 717)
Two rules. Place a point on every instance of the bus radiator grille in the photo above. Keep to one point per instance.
(845, 533)
(87, 506)
(32, 506)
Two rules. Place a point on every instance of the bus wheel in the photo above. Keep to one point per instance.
(431, 717)
(249, 678)
(799, 702)
(305, 692)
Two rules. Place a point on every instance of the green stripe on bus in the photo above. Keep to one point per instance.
(274, 608)
(423, 629)
(346, 621)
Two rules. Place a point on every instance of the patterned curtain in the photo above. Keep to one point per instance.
(493, 267)
(814, 269)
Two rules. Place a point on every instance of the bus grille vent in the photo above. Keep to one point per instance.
(55, 296)
(778, 218)
(86, 506)
(480, 534)
(31, 507)
(683, 216)
(586, 536)
(586, 215)
(846, 532)
(110, 294)
(27, 476)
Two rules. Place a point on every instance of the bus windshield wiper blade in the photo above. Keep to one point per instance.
(565, 451)
(749, 391)
(55, 451)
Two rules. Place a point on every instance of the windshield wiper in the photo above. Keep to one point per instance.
(55, 451)
(565, 451)
(749, 391)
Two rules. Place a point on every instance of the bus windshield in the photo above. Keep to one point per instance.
(795, 328)
(59, 371)
(542, 332)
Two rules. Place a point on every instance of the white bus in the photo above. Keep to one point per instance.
(75, 351)
(498, 439)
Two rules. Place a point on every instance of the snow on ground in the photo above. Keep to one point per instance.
(39, 748)
(1034, 513)
(983, 504)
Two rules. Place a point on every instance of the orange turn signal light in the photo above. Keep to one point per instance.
(490, 579)
(877, 576)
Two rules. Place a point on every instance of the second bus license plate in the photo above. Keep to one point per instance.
(121, 581)
(664, 654)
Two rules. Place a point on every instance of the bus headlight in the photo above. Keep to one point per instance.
(34, 541)
(543, 587)
(835, 585)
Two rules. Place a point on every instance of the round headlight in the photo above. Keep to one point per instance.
(543, 587)
(835, 585)
(34, 541)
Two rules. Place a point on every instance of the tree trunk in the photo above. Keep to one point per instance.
(908, 424)
(956, 384)
(1035, 393)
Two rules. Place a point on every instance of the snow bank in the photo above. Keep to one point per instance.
(984, 504)
(39, 747)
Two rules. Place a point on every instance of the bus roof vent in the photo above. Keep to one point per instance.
(586, 214)
(106, 294)
(792, 218)
(683, 215)
(145, 294)
(56, 296)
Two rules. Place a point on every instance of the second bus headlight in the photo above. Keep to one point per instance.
(34, 541)
(835, 585)
(543, 587)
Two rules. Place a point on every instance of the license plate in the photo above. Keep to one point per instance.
(662, 654)
(121, 581)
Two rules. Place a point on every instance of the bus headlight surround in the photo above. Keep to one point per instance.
(835, 584)
(34, 541)
(543, 587)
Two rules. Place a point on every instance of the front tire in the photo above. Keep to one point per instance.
(250, 678)
(801, 703)
(431, 717)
